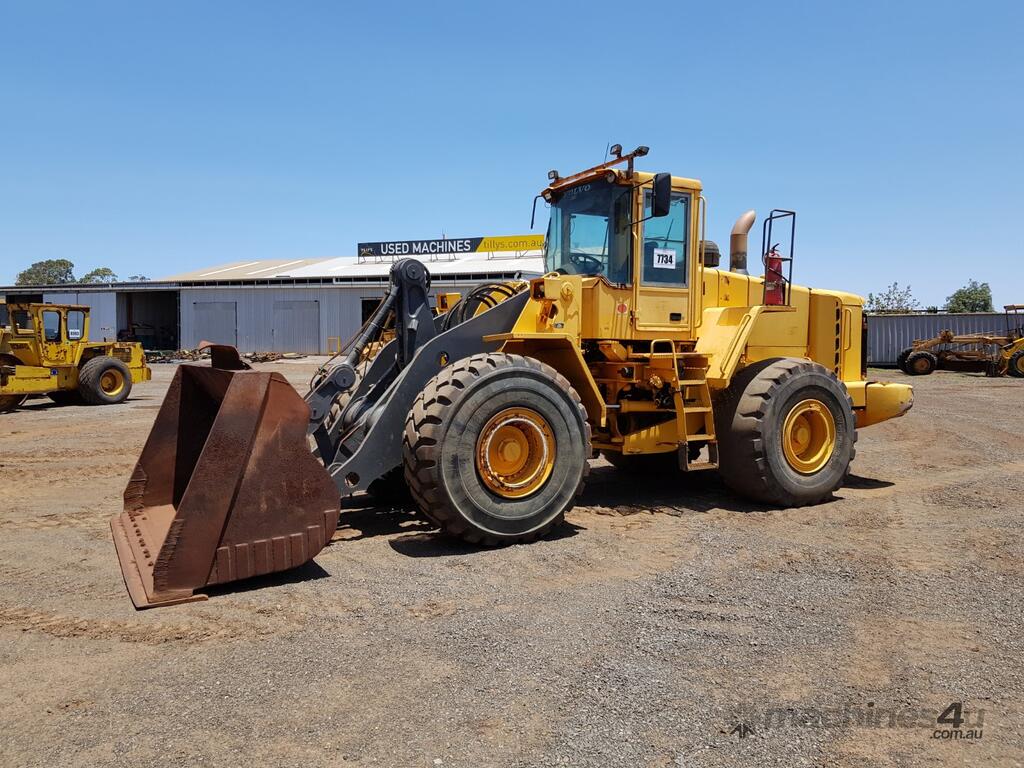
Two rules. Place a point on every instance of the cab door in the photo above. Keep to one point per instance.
(54, 351)
(662, 289)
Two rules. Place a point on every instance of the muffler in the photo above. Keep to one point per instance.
(226, 487)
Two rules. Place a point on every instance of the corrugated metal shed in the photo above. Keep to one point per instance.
(283, 305)
(888, 335)
(281, 318)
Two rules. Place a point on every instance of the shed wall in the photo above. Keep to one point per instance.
(287, 319)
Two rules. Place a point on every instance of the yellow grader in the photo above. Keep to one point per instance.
(997, 354)
(634, 344)
(44, 350)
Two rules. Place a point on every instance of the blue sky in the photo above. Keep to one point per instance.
(153, 138)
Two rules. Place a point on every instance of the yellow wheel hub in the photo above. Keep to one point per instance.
(515, 452)
(112, 382)
(809, 436)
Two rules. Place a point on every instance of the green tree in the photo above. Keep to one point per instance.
(973, 297)
(139, 279)
(48, 272)
(892, 299)
(100, 275)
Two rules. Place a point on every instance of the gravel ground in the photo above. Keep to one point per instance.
(663, 616)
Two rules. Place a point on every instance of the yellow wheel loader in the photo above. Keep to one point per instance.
(634, 344)
(44, 350)
(997, 354)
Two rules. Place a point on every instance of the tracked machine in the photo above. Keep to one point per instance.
(634, 344)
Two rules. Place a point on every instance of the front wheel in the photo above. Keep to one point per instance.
(1015, 366)
(495, 448)
(786, 432)
(104, 380)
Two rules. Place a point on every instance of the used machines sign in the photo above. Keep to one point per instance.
(451, 246)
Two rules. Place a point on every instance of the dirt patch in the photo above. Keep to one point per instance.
(642, 633)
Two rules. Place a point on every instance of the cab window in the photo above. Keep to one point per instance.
(22, 321)
(665, 238)
(51, 326)
(589, 232)
(76, 325)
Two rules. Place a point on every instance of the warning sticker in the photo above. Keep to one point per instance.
(664, 258)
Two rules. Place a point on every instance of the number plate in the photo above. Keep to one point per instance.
(664, 258)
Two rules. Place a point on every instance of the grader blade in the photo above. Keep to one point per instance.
(225, 489)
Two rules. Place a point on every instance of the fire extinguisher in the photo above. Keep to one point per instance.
(774, 282)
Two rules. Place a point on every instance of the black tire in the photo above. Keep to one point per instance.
(341, 402)
(901, 358)
(750, 419)
(921, 363)
(93, 379)
(11, 402)
(441, 441)
(66, 397)
(390, 488)
(1015, 366)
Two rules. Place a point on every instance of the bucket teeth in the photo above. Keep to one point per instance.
(225, 489)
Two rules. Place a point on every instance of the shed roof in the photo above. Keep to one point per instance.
(352, 267)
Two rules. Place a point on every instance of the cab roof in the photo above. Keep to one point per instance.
(615, 176)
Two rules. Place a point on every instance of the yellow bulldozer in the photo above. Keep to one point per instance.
(45, 350)
(634, 344)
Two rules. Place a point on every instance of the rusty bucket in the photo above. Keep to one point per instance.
(225, 489)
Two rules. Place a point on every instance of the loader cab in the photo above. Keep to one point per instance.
(48, 334)
(634, 233)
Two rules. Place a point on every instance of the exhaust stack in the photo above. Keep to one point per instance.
(738, 242)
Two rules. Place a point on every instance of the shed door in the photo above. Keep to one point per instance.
(216, 321)
(297, 327)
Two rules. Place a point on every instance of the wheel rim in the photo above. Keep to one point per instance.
(515, 452)
(922, 365)
(1020, 365)
(809, 436)
(112, 382)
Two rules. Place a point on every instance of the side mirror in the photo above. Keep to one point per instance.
(662, 197)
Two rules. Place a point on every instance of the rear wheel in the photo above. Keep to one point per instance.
(901, 359)
(786, 433)
(104, 381)
(496, 448)
(390, 488)
(1015, 367)
(921, 363)
(11, 402)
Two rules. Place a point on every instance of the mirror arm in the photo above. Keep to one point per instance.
(533, 213)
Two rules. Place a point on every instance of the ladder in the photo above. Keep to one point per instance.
(691, 395)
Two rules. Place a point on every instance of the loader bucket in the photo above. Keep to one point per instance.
(225, 489)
